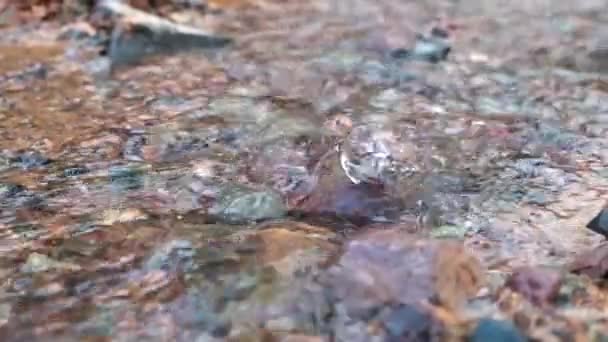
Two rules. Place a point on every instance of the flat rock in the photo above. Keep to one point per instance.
(290, 246)
(388, 267)
(137, 34)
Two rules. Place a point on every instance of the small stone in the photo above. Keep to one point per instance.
(290, 247)
(126, 177)
(239, 204)
(5, 313)
(593, 263)
(496, 331)
(171, 254)
(300, 338)
(432, 50)
(539, 285)
(37, 262)
(240, 288)
(409, 323)
(439, 32)
(77, 31)
(387, 99)
(50, 290)
(31, 160)
(389, 267)
(599, 224)
(449, 232)
(285, 324)
(138, 34)
(75, 171)
(8, 190)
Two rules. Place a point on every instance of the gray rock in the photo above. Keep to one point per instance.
(450, 232)
(239, 204)
(408, 322)
(433, 50)
(138, 34)
(173, 253)
(37, 262)
(600, 223)
(498, 331)
(125, 177)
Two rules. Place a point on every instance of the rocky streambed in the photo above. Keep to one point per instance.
(303, 171)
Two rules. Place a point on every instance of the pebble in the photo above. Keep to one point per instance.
(496, 331)
(238, 204)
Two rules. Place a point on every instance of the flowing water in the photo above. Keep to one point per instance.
(304, 182)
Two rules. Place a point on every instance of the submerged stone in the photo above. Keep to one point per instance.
(496, 331)
(31, 160)
(37, 262)
(432, 50)
(239, 204)
(409, 323)
(599, 224)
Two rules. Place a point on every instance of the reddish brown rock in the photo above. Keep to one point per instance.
(538, 285)
(593, 263)
(292, 246)
(390, 267)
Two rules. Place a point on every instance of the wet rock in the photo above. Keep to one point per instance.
(30, 160)
(292, 247)
(139, 34)
(240, 204)
(593, 263)
(285, 165)
(289, 127)
(37, 262)
(388, 267)
(381, 152)
(599, 224)
(158, 284)
(281, 324)
(133, 147)
(101, 68)
(77, 31)
(5, 313)
(490, 106)
(300, 338)
(5, 161)
(358, 203)
(387, 99)
(16, 195)
(172, 104)
(494, 330)
(176, 141)
(407, 322)
(340, 61)
(238, 287)
(439, 32)
(9, 190)
(433, 50)
(9, 15)
(175, 254)
(75, 171)
(50, 290)
(540, 286)
(590, 58)
(126, 177)
(450, 232)
(112, 216)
